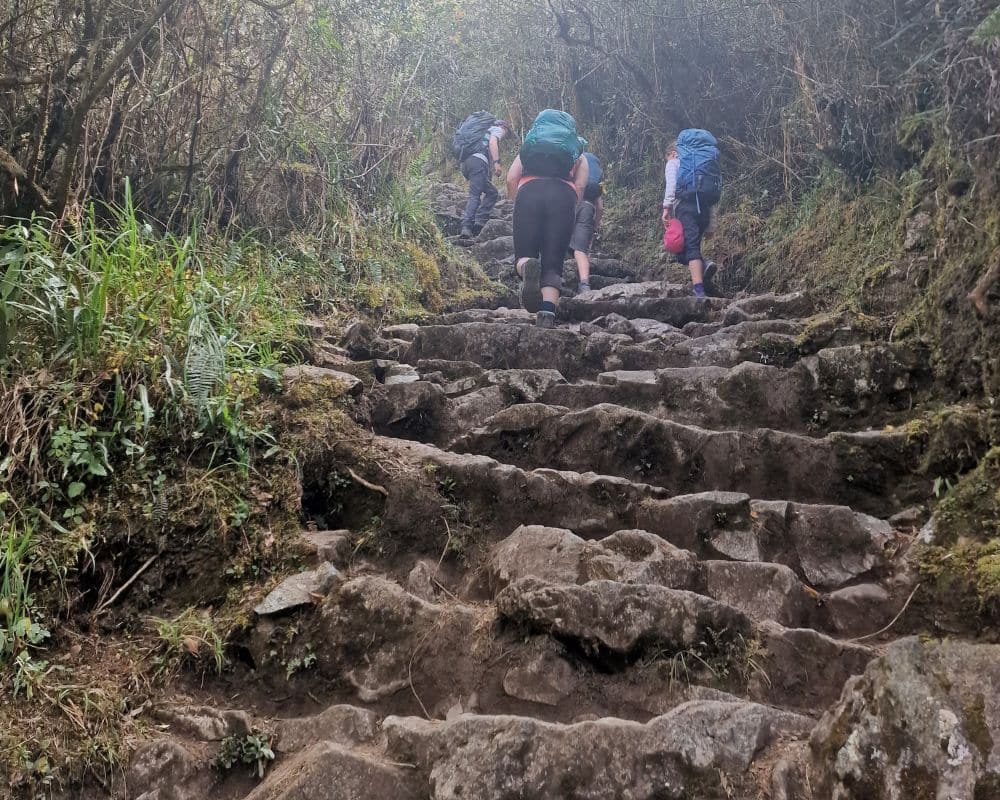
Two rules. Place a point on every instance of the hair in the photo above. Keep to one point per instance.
(672, 148)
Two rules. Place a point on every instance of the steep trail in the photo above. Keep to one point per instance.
(681, 529)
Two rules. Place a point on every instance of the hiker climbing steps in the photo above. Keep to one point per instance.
(672, 530)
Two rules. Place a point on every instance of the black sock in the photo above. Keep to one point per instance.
(547, 306)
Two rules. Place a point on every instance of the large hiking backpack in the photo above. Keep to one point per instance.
(699, 172)
(552, 145)
(470, 138)
(594, 177)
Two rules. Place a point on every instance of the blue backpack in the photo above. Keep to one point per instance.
(699, 172)
(552, 145)
(472, 135)
(594, 177)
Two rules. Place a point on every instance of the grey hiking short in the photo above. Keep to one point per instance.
(583, 232)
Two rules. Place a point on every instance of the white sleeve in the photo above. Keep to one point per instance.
(670, 178)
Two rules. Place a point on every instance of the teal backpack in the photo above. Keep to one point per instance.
(552, 146)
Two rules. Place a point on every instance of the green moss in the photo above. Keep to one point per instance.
(972, 508)
(962, 585)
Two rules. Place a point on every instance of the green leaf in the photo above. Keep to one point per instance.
(75, 490)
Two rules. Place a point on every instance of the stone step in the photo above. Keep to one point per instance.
(491, 499)
(701, 749)
(840, 388)
(826, 546)
(878, 472)
(761, 590)
(388, 647)
(586, 354)
(674, 304)
(609, 621)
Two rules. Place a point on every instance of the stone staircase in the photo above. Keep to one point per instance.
(668, 533)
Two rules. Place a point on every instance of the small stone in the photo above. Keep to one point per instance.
(859, 610)
(401, 373)
(541, 677)
(908, 518)
(303, 589)
(407, 332)
(420, 581)
(343, 382)
(460, 387)
(204, 723)
(333, 547)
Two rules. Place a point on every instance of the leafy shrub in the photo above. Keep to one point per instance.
(253, 749)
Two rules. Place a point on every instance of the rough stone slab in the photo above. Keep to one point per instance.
(805, 669)
(923, 721)
(403, 399)
(377, 637)
(788, 306)
(872, 471)
(506, 496)
(303, 589)
(204, 723)
(761, 591)
(163, 769)
(401, 374)
(860, 610)
(334, 547)
(540, 677)
(621, 618)
(835, 544)
(517, 758)
(327, 771)
(339, 724)
(343, 382)
(405, 331)
(555, 555)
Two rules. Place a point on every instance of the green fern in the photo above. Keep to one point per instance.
(205, 362)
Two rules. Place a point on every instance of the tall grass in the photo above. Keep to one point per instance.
(18, 627)
(101, 293)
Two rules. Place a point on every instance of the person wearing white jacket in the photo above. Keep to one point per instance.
(698, 223)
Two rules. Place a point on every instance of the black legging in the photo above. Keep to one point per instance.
(544, 218)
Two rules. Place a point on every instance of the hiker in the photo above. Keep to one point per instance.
(476, 145)
(547, 179)
(693, 190)
(588, 220)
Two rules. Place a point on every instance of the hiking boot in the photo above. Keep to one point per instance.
(583, 287)
(466, 232)
(545, 319)
(531, 288)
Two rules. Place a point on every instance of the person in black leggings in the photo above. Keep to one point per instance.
(544, 218)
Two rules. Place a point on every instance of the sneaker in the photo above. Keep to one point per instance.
(545, 319)
(466, 232)
(710, 270)
(531, 288)
(584, 287)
